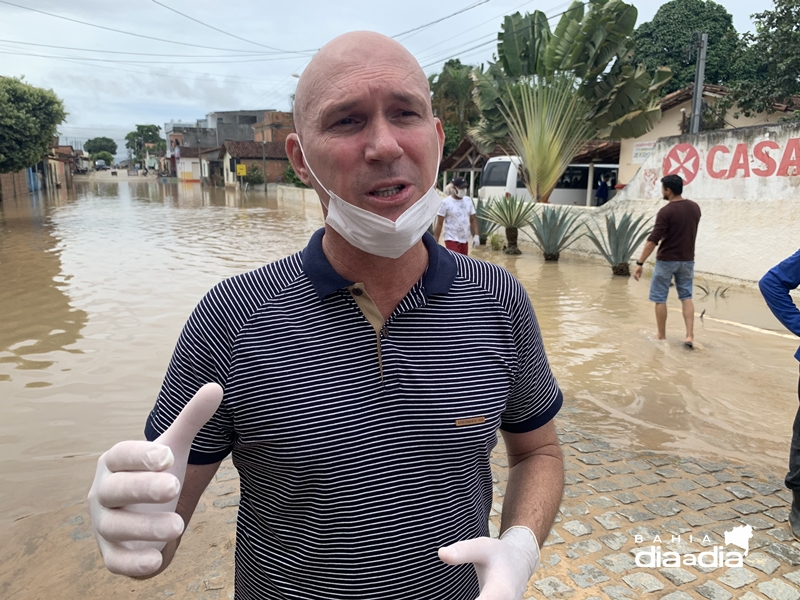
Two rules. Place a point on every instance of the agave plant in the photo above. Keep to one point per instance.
(485, 227)
(512, 213)
(620, 240)
(554, 230)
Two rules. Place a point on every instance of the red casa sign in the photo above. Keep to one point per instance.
(765, 159)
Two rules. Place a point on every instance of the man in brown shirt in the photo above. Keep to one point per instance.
(676, 231)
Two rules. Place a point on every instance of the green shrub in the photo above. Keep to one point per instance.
(620, 240)
(554, 230)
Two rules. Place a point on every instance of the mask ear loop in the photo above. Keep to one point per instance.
(314, 175)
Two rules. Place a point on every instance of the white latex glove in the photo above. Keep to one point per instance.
(476, 241)
(136, 489)
(503, 566)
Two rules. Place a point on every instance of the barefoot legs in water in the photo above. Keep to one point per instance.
(687, 307)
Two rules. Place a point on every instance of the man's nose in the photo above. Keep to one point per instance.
(382, 145)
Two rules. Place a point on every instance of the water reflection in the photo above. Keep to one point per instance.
(38, 320)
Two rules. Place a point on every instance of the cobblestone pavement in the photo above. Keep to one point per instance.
(611, 496)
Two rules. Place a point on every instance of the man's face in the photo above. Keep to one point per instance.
(370, 135)
(665, 193)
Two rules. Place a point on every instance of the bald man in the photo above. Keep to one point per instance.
(365, 379)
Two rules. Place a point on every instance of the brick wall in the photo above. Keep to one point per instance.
(275, 169)
(275, 127)
(13, 185)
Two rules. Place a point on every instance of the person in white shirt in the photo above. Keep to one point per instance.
(457, 216)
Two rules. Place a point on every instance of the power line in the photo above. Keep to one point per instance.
(494, 38)
(161, 54)
(151, 74)
(461, 33)
(147, 37)
(177, 12)
(436, 62)
(156, 62)
(426, 25)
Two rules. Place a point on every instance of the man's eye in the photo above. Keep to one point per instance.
(345, 121)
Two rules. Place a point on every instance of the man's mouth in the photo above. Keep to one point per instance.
(387, 191)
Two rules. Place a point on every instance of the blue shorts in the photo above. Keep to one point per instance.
(682, 270)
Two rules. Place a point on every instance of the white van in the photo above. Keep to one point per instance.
(501, 177)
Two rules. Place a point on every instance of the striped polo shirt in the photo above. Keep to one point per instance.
(362, 445)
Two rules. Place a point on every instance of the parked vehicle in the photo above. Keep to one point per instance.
(100, 165)
(502, 177)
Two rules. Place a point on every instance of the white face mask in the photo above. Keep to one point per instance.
(460, 193)
(375, 234)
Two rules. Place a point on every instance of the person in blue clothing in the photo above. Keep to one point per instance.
(601, 195)
(775, 287)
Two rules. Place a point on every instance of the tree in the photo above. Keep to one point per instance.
(100, 144)
(254, 175)
(105, 156)
(551, 91)
(144, 134)
(774, 52)
(451, 139)
(664, 41)
(29, 118)
(452, 97)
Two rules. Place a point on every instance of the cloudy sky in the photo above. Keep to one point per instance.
(118, 64)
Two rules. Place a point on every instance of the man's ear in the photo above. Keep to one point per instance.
(297, 159)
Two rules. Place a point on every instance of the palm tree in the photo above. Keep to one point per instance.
(548, 123)
(452, 95)
(512, 213)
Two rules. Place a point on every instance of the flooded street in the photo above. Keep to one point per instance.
(96, 285)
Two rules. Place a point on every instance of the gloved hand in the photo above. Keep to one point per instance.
(136, 488)
(476, 241)
(503, 566)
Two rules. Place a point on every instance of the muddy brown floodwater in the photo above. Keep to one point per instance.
(95, 285)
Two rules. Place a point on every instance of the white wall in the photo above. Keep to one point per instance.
(291, 193)
(751, 213)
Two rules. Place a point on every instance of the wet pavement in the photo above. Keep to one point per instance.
(99, 282)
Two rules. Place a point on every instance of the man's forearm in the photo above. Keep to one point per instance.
(647, 251)
(534, 490)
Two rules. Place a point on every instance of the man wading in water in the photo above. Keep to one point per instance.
(676, 231)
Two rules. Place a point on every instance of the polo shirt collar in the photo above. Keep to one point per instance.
(437, 279)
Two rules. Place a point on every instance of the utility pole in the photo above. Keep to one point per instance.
(264, 162)
(698, 41)
(199, 154)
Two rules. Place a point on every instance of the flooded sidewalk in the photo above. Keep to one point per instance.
(97, 285)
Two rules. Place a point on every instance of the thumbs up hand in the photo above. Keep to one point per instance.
(136, 489)
(503, 566)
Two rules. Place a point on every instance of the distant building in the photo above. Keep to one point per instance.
(275, 127)
(187, 167)
(215, 128)
(270, 157)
